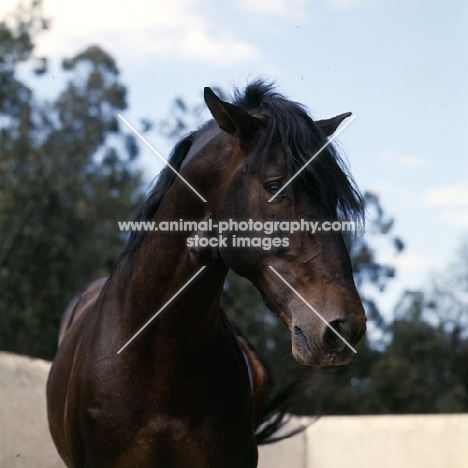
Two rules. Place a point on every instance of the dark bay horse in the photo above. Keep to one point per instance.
(188, 391)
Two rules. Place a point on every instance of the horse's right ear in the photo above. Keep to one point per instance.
(233, 119)
(329, 126)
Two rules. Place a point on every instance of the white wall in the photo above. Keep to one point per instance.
(24, 435)
(436, 441)
(439, 441)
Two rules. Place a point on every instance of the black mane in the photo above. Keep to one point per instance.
(148, 209)
(327, 178)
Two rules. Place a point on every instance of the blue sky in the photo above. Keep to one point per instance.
(400, 66)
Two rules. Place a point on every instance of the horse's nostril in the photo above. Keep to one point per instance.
(297, 330)
(330, 339)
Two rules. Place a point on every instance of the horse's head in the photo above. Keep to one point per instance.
(258, 152)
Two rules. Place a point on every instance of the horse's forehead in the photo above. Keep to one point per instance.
(198, 144)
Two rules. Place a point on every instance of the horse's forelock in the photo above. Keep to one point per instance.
(290, 126)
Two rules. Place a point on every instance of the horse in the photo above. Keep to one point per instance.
(189, 390)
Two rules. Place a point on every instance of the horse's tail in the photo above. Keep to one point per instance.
(275, 415)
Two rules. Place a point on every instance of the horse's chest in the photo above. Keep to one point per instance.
(182, 443)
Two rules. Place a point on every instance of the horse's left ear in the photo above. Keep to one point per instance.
(233, 119)
(329, 126)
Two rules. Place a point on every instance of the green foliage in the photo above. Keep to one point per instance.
(369, 272)
(17, 32)
(67, 178)
(424, 368)
(447, 301)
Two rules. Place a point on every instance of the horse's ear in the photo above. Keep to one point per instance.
(329, 126)
(233, 119)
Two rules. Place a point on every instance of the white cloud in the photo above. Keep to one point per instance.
(453, 196)
(196, 44)
(289, 9)
(412, 162)
(405, 261)
(345, 4)
(449, 204)
(405, 161)
(455, 218)
(140, 28)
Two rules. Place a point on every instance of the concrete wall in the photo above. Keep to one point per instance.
(24, 435)
(439, 441)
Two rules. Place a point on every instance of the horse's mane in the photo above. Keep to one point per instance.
(326, 179)
(150, 206)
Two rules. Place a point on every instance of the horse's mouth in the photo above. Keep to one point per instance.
(309, 354)
(301, 349)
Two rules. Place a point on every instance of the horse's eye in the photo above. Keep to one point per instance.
(273, 187)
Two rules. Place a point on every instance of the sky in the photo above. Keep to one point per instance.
(400, 66)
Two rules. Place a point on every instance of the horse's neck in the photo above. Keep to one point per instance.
(159, 270)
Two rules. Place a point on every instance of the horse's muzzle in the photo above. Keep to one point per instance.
(328, 348)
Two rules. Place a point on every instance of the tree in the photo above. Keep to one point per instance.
(424, 367)
(68, 176)
(447, 301)
(368, 270)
